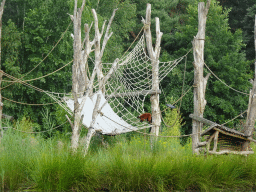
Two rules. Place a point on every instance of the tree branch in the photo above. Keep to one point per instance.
(82, 7)
(207, 6)
(102, 28)
(107, 35)
(158, 38)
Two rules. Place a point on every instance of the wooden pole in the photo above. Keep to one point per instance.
(216, 141)
(154, 54)
(1, 75)
(199, 80)
(251, 114)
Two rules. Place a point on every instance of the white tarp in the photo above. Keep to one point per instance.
(110, 127)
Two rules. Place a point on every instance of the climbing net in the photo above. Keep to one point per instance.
(131, 82)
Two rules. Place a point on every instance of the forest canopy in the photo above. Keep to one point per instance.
(31, 28)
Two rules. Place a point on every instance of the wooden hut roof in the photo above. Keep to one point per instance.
(222, 129)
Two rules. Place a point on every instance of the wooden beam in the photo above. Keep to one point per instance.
(231, 152)
(213, 125)
(203, 120)
(128, 94)
(201, 144)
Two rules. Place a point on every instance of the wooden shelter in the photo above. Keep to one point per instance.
(222, 140)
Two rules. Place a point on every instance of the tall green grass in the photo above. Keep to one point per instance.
(35, 163)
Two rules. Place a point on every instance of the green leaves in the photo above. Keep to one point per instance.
(36, 26)
(224, 57)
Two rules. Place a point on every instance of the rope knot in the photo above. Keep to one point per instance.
(101, 114)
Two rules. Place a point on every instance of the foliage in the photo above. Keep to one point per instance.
(125, 165)
(10, 63)
(36, 25)
(172, 120)
(241, 17)
(224, 57)
(248, 32)
(25, 125)
(39, 25)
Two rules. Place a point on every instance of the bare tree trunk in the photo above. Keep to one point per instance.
(1, 75)
(82, 86)
(199, 80)
(251, 114)
(98, 69)
(78, 76)
(154, 56)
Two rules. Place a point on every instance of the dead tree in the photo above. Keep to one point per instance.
(98, 68)
(1, 75)
(199, 80)
(78, 69)
(82, 86)
(154, 54)
(251, 112)
(100, 50)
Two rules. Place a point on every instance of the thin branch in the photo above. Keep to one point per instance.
(82, 7)
(107, 35)
(96, 23)
(159, 35)
(75, 8)
(102, 28)
(207, 6)
(71, 17)
(147, 32)
(70, 122)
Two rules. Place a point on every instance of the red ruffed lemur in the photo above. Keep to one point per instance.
(145, 116)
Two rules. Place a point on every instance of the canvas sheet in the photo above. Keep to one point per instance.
(110, 125)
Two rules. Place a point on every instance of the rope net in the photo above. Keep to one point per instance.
(131, 82)
(125, 91)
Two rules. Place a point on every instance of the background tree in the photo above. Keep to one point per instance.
(224, 55)
(39, 25)
(241, 17)
(36, 25)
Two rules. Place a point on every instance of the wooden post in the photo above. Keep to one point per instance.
(251, 113)
(209, 142)
(154, 56)
(199, 80)
(1, 75)
(216, 141)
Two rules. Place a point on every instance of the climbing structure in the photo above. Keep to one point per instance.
(125, 92)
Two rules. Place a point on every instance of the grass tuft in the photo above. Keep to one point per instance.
(35, 163)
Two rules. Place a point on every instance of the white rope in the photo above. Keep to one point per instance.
(134, 75)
